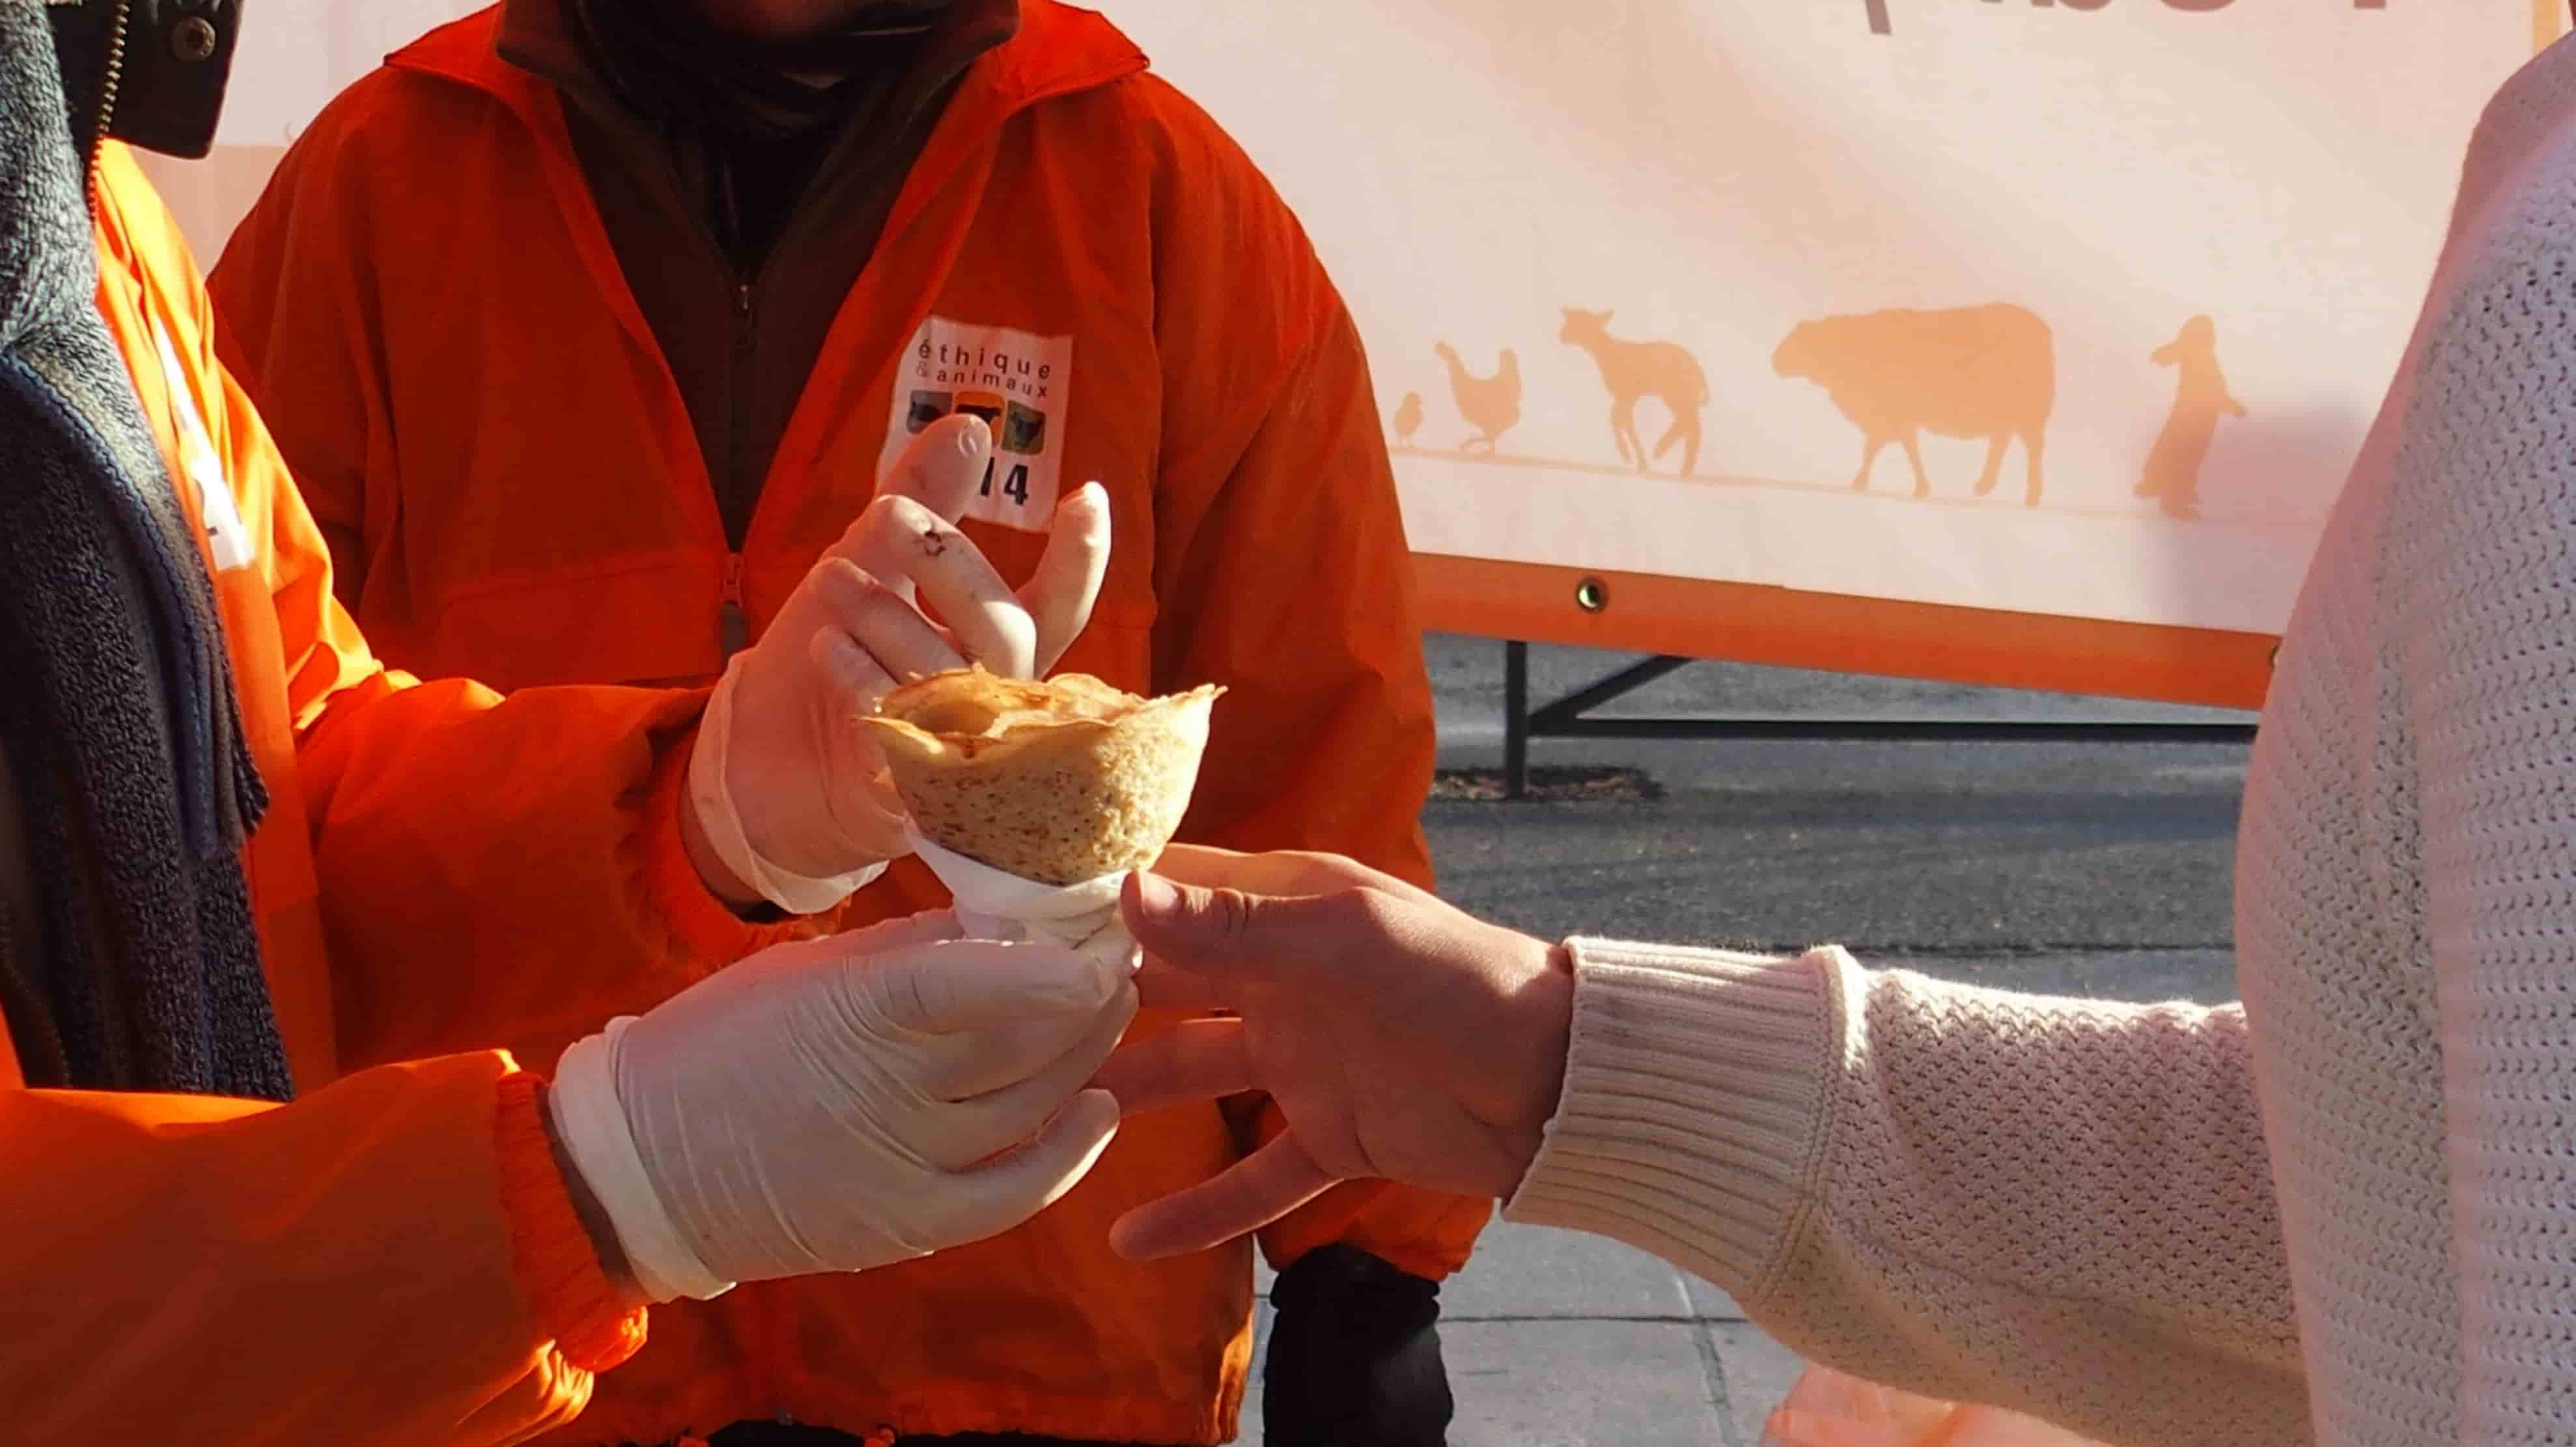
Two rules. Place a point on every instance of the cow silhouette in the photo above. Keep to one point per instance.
(2172, 473)
(1634, 371)
(1985, 372)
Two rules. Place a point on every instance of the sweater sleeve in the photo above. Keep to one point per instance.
(2062, 1207)
(2482, 558)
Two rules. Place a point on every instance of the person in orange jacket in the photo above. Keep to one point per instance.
(208, 785)
(701, 266)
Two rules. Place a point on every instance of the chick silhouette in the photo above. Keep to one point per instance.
(1408, 419)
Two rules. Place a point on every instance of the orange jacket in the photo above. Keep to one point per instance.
(426, 302)
(391, 1259)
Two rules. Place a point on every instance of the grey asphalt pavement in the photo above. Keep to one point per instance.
(2087, 868)
(2063, 868)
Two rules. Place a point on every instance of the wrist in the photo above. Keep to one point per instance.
(727, 886)
(703, 926)
(717, 838)
(573, 1298)
(1544, 1011)
(592, 1215)
(600, 1150)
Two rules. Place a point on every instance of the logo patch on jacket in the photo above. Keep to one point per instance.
(1016, 382)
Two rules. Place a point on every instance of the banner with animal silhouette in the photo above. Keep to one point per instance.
(2014, 341)
(2028, 313)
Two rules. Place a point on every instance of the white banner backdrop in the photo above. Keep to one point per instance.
(2170, 245)
(2094, 298)
(297, 54)
(294, 56)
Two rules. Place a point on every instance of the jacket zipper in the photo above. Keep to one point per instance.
(111, 77)
(733, 626)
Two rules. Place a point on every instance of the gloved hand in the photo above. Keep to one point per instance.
(838, 1104)
(1354, 1356)
(787, 796)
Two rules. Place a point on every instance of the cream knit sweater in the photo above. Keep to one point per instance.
(2069, 1207)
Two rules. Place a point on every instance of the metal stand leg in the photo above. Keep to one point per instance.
(1567, 713)
(1571, 717)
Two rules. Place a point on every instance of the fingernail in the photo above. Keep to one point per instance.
(1089, 503)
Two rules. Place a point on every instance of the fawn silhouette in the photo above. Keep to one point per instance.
(2172, 474)
(1491, 405)
(1637, 370)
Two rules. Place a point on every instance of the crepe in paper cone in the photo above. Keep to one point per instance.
(1059, 781)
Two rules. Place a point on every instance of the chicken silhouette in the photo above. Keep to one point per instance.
(1491, 405)
(1634, 371)
(1408, 419)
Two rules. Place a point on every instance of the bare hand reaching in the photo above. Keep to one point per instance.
(1401, 1037)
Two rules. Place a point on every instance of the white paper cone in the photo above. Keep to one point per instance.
(993, 905)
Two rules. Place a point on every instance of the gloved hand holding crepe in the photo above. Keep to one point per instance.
(1032, 801)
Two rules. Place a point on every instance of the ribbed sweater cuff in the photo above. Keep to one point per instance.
(1696, 1105)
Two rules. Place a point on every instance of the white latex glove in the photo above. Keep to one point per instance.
(787, 795)
(839, 1104)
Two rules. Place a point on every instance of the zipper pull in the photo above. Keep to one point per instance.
(742, 300)
(733, 626)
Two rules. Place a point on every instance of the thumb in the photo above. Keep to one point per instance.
(958, 986)
(942, 466)
(1228, 934)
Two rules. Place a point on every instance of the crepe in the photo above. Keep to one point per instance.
(1059, 781)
